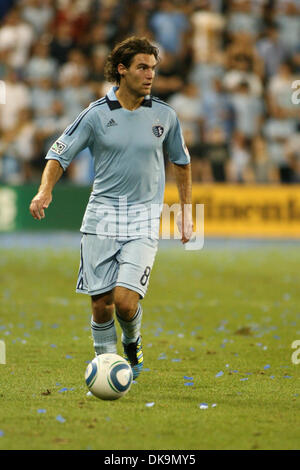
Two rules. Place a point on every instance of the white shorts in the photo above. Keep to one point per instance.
(108, 262)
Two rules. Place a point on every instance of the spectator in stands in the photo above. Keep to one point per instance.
(187, 104)
(265, 170)
(39, 14)
(62, 42)
(4, 59)
(248, 109)
(218, 110)
(97, 36)
(43, 95)
(205, 74)
(40, 65)
(295, 60)
(278, 132)
(96, 70)
(208, 27)
(169, 77)
(17, 37)
(272, 51)
(287, 19)
(243, 65)
(17, 98)
(239, 166)
(279, 90)
(76, 94)
(242, 19)
(18, 149)
(51, 126)
(76, 15)
(169, 25)
(77, 64)
(217, 153)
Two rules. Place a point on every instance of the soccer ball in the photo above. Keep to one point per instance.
(108, 376)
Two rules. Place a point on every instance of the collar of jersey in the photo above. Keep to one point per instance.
(113, 102)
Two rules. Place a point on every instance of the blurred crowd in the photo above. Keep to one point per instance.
(227, 67)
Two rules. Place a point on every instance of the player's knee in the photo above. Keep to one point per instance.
(126, 303)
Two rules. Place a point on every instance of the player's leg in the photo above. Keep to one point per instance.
(129, 315)
(135, 263)
(97, 277)
(102, 323)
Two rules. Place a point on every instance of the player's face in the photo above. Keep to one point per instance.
(138, 78)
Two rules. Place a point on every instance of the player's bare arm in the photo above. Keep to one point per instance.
(183, 177)
(43, 198)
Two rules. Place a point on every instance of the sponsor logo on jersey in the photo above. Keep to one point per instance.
(158, 131)
(58, 147)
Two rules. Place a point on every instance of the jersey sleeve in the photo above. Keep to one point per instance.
(174, 145)
(73, 140)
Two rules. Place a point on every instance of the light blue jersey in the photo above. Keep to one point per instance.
(128, 151)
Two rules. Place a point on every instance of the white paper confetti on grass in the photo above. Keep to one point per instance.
(150, 404)
(219, 374)
(203, 406)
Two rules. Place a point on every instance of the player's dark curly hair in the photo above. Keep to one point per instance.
(123, 53)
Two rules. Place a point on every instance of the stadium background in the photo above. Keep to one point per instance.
(226, 316)
(227, 67)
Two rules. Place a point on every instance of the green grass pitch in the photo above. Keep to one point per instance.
(218, 327)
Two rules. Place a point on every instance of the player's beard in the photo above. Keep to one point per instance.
(138, 91)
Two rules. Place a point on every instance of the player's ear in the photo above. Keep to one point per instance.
(121, 70)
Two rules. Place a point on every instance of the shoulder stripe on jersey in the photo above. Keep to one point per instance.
(74, 125)
(159, 101)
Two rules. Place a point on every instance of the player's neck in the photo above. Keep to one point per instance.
(127, 99)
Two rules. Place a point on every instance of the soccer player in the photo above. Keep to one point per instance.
(128, 132)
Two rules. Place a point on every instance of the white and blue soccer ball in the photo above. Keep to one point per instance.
(108, 376)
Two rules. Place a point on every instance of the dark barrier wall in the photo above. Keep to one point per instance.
(64, 213)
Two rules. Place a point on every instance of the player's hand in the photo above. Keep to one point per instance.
(185, 224)
(39, 203)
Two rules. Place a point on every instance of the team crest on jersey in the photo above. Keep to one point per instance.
(58, 147)
(158, 131)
